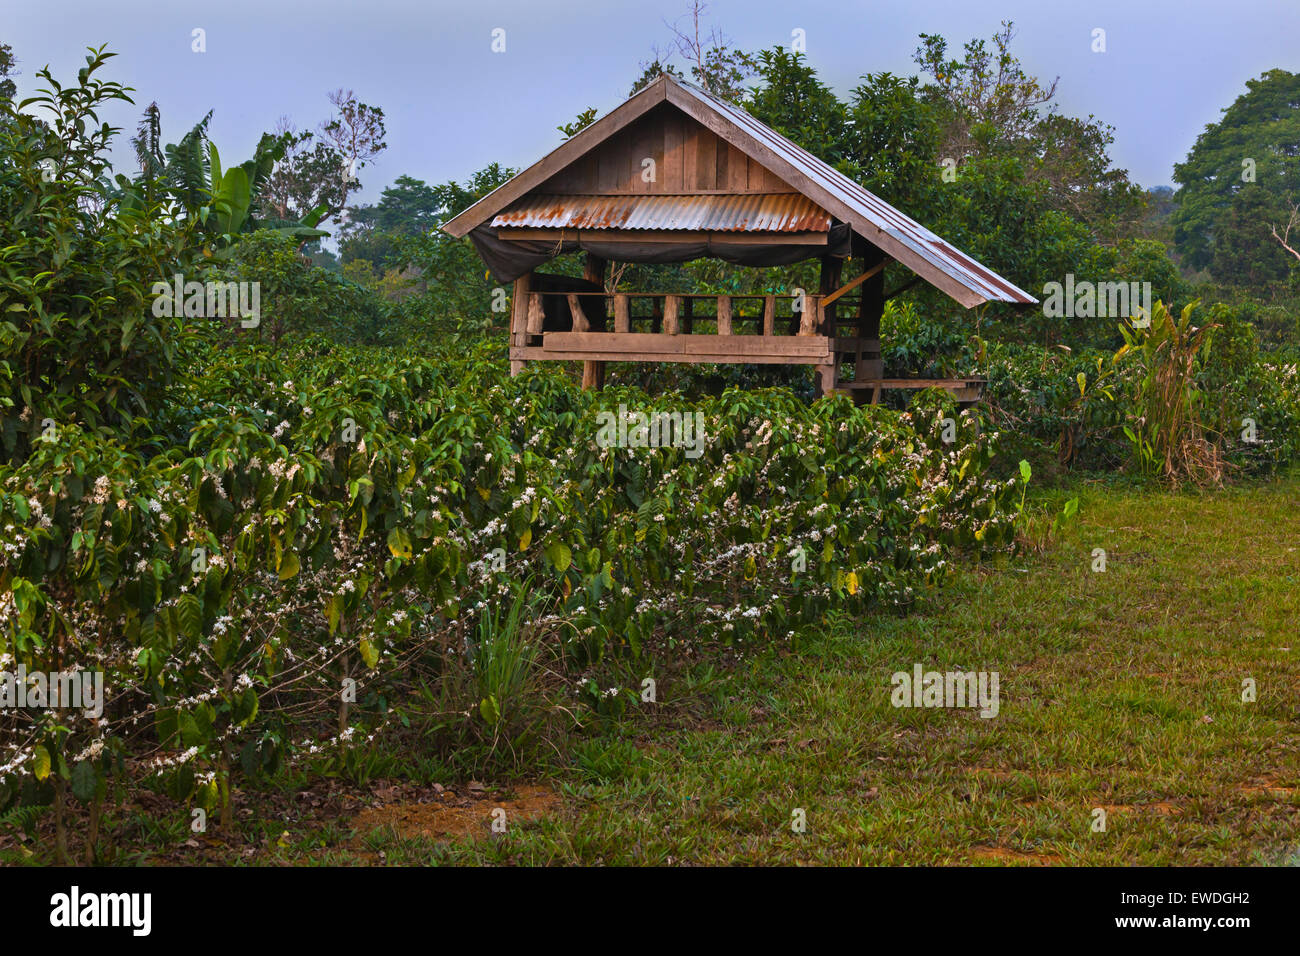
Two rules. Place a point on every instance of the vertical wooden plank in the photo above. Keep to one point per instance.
(691, 133)
(706, 170)
(670, 314)
(615, 164)
(622, 317)
(724, 315)
(769, 315)
(670, 173)
(642, 142)
(737, 171)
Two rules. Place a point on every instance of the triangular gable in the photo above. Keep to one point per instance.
(907, 241)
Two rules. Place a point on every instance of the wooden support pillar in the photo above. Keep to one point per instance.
(519, 319)
(724, 315)
(828, 282)
(593, 270)
(811, 320)
(536, 316)
(868, 363)
(769, 315)
(825, 379)
(622, 316)
(580, 323)
(670, 314)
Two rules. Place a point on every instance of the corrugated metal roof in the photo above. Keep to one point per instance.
(935, 250)
(755, 212)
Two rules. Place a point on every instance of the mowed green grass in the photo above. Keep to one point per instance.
(1119, 690)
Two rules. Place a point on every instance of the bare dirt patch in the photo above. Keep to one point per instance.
(1002, 854)
(458, 815)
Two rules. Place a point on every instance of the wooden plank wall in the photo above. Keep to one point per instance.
(688, 159)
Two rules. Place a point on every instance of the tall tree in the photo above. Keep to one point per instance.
(320, 168)
(1254, 146)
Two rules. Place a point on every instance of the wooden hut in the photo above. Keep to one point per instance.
(675, 174)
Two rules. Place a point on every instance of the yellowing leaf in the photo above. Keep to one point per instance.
(399, 543)
(525, 539)
(41, 762)
(484, 493)
(852, 581)
(368, 653)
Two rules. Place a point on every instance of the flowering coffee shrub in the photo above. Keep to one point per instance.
(310, 528)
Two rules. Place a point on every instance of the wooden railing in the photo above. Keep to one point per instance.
(675, 313)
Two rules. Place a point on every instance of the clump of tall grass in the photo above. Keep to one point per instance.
(1165, 419)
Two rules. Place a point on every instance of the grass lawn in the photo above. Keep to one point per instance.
(1119, 691)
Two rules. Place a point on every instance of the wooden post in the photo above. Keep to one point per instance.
(593, 270)
(519, 320)
(724, 315)
(536, 317)
(828, 282)
(622, 317)
(769, 315)
(868, 363)
(810, 321)
(825, 379)
(580, 323)
(670, 314)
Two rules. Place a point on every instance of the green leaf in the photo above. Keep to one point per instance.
(190, 614)
(560, 555)
(489, 709)
(83, 781)
(1025, 471)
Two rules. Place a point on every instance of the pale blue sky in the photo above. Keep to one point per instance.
(452, 105)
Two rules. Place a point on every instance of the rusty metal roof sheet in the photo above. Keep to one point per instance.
(754, 212)
(934, 249)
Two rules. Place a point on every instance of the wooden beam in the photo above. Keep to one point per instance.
(622, 317)
(738, 346)
(850, 286)
(662, 235)
(724, 315)
(769, 315)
